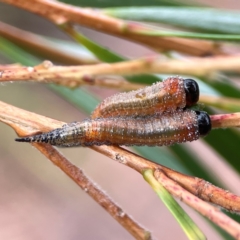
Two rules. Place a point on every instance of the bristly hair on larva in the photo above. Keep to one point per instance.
(167, 96)
(155, 130)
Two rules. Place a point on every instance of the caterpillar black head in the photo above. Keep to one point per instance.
(204, 123)
(192, 92)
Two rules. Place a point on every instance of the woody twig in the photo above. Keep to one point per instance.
(61, 13)
(25, 123)
(76, 75)
(42, 46)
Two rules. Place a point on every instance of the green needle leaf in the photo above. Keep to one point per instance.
(201, 19)
(106, 55)
(188, 226)
(120, 3)
(207, 36)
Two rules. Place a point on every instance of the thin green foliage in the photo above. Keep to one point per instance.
(189, 227)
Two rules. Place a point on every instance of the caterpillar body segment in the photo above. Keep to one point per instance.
(154, 130)
(167, 96)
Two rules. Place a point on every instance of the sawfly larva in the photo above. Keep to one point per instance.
(166, 96)
(156, 130)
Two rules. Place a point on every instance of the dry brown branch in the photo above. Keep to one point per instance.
(205, 190)
(26, 123)
(92, 190)
(226, 120)
(212, 213)
(196, 186)
(61, 13)
(41, 46)
(10, 66)
(221, 102)
(37, 74)
(76, 75)
(115, 82)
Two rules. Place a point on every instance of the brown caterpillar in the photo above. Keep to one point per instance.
(166, 96)
(155, 130)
